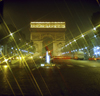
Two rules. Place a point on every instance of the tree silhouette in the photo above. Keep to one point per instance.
(96, 21)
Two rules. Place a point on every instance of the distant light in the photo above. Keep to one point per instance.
(94, 28)
(70, 42)
(82, 35)
(63, 52)
(6, 60)
(47, 24)
(81, 48)
(85, 47)
(26, 43)
(40, 57)
(11, 34)
(11, 47)
(98, 47)
(31, 56)
(49, 51)
(5, 66)
(95, 53)
(66, 45)
(94, 35)
(42, 64)
(74, 40)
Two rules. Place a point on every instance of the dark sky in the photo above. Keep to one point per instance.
(20, 13)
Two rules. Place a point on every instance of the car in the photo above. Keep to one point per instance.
(92, 58)
(78, 55)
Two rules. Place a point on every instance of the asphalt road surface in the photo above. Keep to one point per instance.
(67, 78)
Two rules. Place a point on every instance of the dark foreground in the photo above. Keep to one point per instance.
(61, 80)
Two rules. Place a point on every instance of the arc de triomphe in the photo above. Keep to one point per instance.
(55, 30)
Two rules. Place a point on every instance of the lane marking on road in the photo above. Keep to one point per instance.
(58, 67)
(94, 66)
(35, 68)
(70, 65)
(81, 65)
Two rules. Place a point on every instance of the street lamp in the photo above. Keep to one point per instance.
(26, 43)
(94, 28)
(82, 35)
(94, 35)
(11, 34)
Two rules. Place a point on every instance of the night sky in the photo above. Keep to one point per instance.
(75, 13)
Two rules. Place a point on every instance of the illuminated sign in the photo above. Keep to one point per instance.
(47, 25)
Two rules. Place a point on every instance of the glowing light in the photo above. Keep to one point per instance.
(48, 51)
(26, 43)
(94, 35)
(95, 53)
(70, 42)
(53, 64)
(11, 47)
(74, 40)
(17, 57)
(40, 57)
(82, 35)
(98, 47)
(81, 48)
(47, 24)
(6, 60)
(5, 66)
(94, 28)
(42, 64)
(47, 58)
(11, 34)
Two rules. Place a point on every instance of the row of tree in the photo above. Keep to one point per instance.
(95, 18)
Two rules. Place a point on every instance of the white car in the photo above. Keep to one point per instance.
(79, 55)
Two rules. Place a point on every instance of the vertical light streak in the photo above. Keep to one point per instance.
(47, 58)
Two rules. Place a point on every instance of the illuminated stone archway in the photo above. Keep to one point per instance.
(56, 30)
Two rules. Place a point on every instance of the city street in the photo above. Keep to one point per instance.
(49, 47)
(65, 79)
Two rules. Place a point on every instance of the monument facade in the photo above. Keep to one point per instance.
(55, 30)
